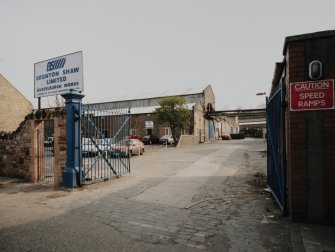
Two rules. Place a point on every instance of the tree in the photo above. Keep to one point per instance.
(59, 101)
(173, 110)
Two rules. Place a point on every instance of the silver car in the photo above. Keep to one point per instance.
(88, 148)
(166, 139)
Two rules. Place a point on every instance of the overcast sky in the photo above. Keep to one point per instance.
(139, 46)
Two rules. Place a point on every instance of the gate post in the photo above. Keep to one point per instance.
(73, 106)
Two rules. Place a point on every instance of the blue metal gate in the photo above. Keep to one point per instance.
(276, 160)
(104, 145)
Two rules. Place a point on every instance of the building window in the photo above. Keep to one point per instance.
(104, 133)
(184, 132)
(133, 132)
(167, 131)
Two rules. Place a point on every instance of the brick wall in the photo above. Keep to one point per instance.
(296, 138)
(138, 123)
(59, 148)
(329, 166)
(310, 136)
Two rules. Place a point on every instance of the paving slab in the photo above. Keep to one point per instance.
(318, 237)
(178, 190)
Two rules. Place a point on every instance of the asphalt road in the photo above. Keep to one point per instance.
(197, 198)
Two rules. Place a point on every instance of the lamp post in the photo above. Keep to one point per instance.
(261, 94)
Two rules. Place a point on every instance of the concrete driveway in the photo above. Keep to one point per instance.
(202, 197)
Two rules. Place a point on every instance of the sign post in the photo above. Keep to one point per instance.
(64, 75)
(312, 95)
(71, 176)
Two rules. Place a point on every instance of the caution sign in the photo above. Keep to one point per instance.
(312, 95)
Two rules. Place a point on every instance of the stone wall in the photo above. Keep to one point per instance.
(13, 106)
(209, 97)
(227, 125)
(19, 152)
(200, 123)
(15, 153)
(188, 140)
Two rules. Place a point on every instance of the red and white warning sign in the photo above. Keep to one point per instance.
(312, 95)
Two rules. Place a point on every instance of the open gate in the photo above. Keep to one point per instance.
(104, 143)
(276, 160)
(45, 152)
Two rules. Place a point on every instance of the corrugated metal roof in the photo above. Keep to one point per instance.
(187, 91)
(155, 94)
(252, 123)
(147, 110)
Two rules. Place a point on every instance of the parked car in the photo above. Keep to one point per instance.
(130, 137)
(105, 144)
(226, 136)
(49, 142)
(127, 148)
(166, 139)
(150, 139)
(88, 148)
(237, 136)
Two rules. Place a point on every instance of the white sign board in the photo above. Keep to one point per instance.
(149, 124)
(59, 75)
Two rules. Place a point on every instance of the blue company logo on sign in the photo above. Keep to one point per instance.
(56, 64)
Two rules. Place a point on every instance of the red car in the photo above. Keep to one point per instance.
(127, 148)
